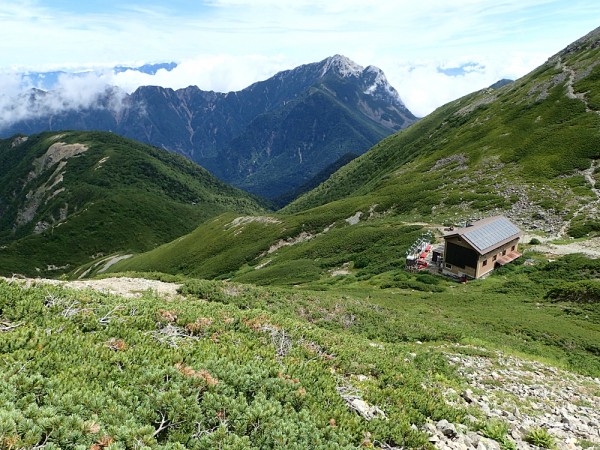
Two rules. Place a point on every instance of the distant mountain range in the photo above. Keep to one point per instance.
(49, 80)
(270, 139)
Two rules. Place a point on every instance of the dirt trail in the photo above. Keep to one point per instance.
(570, 90)
(127, 287)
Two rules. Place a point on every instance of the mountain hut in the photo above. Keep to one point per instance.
(475, 250)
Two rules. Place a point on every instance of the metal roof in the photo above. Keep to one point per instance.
(489, 233)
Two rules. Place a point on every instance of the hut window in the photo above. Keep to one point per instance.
(484, 262)
(495, 257)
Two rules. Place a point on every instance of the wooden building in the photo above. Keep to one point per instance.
(476, 250)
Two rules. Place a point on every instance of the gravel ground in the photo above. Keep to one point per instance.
(590, 247)
(127, 287)
(525, 395)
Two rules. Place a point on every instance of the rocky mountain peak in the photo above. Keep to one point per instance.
(378, 86)
(342, 66)
(372, 79)
(294, 120)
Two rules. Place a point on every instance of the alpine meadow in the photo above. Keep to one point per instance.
(146, 304)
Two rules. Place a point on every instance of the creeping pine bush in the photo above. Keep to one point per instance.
(583, 229)
(585, 291)
(88, 370)
(204, 289)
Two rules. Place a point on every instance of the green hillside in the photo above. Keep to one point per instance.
(301, 329)
(279, 249)
(73, 197)
(527, 150)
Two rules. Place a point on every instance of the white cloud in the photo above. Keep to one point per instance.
(222, 73)
(226, 45)
(82, 90)
(423, 87)
(73, 92)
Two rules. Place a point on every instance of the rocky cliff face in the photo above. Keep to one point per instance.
(269, 138)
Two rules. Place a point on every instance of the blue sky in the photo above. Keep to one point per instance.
(227, 44)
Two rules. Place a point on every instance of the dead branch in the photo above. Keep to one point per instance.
(164, 423)
(281, 341)
(7, 326)
(52, 300)
(171, 335)
(106, 318)
(73, 309)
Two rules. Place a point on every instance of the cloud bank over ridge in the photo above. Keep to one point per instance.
(423, 86)
(225, 45)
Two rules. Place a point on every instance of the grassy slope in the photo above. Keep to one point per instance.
(321, 242)
(137, 198)
(261, 367)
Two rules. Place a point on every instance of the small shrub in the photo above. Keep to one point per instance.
(585, 291)
(498, 431)
(585, 444)
(413, 285)
(494, 429)
(584, 229)
(428, 279)
(535, 241)
(541, 438)
(204, 289)
(361, 261)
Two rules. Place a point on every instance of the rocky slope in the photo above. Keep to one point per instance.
(524, 396)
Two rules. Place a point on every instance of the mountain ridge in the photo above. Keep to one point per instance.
(244, 127)
(72, 197)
